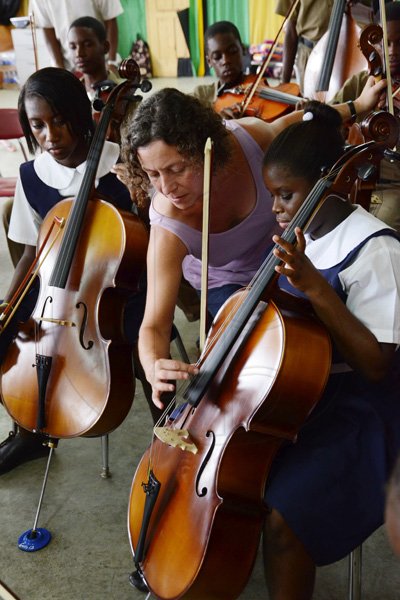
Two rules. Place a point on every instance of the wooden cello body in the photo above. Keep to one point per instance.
(256, 403)
(90, 386)
(68, 372)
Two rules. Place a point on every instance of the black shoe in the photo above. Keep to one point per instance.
(136, 579)
(18, 449)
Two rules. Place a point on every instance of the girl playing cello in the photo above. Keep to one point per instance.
(165, 141)
(326, 492)
(56, 117)
(365, 371)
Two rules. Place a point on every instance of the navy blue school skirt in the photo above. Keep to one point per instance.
(330, 484)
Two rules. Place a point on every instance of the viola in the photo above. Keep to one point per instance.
(68, 373)
(196, 506)
(268, 103)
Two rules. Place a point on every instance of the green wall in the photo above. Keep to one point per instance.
(130, 24)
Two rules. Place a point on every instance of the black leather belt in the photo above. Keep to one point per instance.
(306, 42)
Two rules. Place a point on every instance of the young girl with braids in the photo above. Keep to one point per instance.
(325, 493)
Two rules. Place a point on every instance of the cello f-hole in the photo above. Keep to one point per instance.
(50, 300)
(83, 327)
(203, 465)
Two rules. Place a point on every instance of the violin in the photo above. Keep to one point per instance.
(268, 103)
(255, 97)
(196, 505)
(68, 373)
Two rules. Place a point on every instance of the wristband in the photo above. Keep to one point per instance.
(113, 63)
(353, 112)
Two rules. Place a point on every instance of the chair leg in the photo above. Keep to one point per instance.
(355, 574)
(105, 471)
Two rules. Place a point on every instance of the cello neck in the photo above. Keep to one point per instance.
(66, 253)
(334, 31)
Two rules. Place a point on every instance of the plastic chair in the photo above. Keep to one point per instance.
(16, 250)
(10, 129)
(7, 187)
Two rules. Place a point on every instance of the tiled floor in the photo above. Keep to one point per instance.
(89, 557)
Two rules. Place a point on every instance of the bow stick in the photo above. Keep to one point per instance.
(34, 42)
(204, 245)
(268, 57)
(382, 10)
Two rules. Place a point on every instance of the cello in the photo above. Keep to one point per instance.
(196, 508)
(68, 372)
(335, 57)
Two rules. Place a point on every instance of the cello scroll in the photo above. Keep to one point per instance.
(370, 37)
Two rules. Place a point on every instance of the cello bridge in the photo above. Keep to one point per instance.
(61, 322)
(177, 438)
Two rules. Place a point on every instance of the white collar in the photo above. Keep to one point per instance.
(333, 247)
(59, 177)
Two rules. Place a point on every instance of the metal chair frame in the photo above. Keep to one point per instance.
(355, 574)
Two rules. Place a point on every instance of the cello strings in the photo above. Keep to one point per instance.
(303, 216)
(258, 279)
(78, 209)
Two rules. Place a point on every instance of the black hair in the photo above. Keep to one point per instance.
(179, 120)
(91, 23)
(311, 145)
(392, 11)
(221, 27)
(65, 94)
